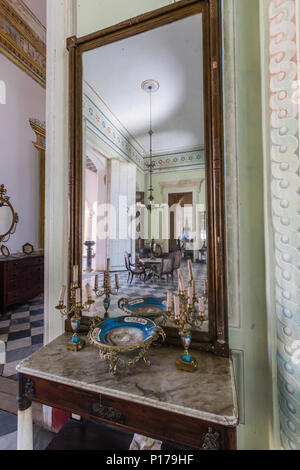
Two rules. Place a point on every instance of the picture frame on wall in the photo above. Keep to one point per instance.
(28, 249)
(5, 251)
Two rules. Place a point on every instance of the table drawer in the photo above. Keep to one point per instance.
(22, 264)
(134, 417)
(23, 294)
(26, 275)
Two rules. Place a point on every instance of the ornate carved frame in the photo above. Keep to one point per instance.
(216, 340)
(39, 129)
(20, 42)
(5, 202)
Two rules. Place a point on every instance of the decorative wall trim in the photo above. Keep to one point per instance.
(20, 42)
(117, 142)
(284, 155)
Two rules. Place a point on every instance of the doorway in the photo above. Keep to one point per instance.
(179, 223)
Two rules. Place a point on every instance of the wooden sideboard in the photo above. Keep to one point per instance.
(21, 279)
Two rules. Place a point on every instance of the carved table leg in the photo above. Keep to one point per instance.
(25, 426)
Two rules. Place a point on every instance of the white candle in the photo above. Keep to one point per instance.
(201, 305)
(194, 287)
(77, 298)
(62, 294)
(96, 282)
(182, 281)
(169, 299)
(190, 270)
(191, 295)
(75, 274)
(176, 306)
(88, 291)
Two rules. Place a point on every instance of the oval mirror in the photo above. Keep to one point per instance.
(8, 217)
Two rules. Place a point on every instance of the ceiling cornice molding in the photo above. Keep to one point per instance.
(20, 43)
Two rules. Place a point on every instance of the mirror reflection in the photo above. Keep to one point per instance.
(144, 204)
(6, 219)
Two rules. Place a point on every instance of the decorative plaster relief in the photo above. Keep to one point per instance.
(22, 42)
(284, 129)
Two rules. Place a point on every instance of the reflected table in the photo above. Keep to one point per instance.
(198, 410)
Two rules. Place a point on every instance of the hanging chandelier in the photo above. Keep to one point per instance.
(150, 87)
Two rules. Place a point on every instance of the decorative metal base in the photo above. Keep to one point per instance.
(76, 346)
(191, 366)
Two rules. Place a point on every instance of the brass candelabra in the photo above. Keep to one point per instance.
(183, 312)
(107, 289)
(75, 309)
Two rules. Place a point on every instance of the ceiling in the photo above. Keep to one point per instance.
(172, 55)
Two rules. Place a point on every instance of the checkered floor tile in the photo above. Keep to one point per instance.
(22, 332)
(140, 289)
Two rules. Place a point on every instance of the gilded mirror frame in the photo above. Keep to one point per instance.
(216, 339)
(5, 202)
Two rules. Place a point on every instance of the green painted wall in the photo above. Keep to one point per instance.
(252, 336)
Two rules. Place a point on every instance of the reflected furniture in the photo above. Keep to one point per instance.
(200, 412)
(134, 269)
(21, 279)
(165, 268)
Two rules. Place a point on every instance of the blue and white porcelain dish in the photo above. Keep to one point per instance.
(124, 332)
(149, 307)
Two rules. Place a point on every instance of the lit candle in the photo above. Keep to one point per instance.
(96, 282)
(169, 300)
(77, 298)
(201, 305)
(75, 275)
(176, 306)
(88, 291)
(62, 294)
(117, 281)
(191, 295)
(190, 270)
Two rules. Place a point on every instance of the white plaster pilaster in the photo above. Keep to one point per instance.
(61, 24)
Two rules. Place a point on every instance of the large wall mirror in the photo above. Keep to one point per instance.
(147, 187)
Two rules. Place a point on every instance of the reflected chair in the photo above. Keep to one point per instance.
(134, 269)
(164, 269)
(177, 256)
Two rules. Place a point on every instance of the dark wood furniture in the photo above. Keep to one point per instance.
(21, 279)
(134, 269)
(197, 410)
(90, 435)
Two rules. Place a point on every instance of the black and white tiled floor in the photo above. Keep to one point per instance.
(22, 332)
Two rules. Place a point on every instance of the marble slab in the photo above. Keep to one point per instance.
(208, 394)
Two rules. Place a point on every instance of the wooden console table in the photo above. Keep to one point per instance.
(198, 410)
(21, 279)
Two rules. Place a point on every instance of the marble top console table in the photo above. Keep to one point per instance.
(198, 410)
